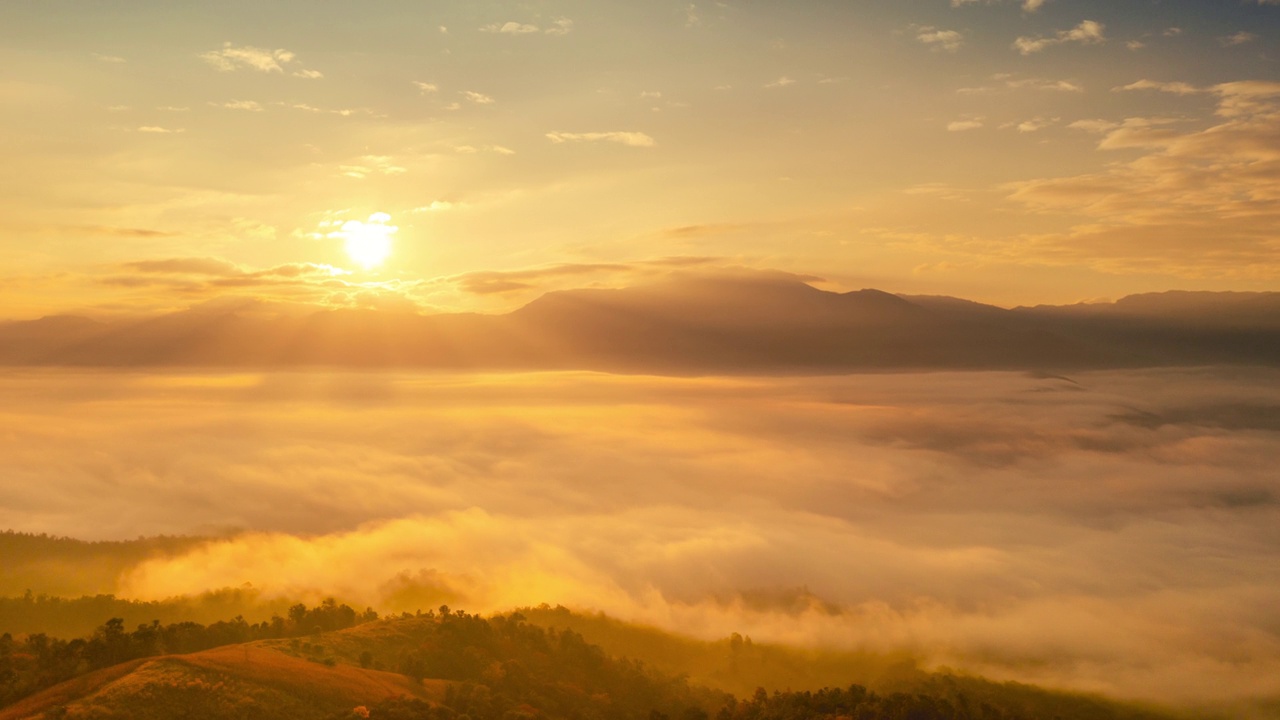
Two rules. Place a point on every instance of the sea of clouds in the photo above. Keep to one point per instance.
(1111, 531)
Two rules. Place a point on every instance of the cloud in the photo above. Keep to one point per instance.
(948, 40)
(1240, 38)
(343, 112)
(962, 125)
(1094, 126)
(1199, 201)
(633, 139)
(309, 74)
(510, 28)
(1031, 528)
(1088, 32)
(436, 206)
(186, 266)
(426, 87)
(216, 271)
(477, 97)
(1176, 88)
(560, 26)
(1035, 124)
(122, 231)
(230, 58)
(471, 149)
(780, 82)
(546, 278)
(222, 285)
(249, 105)
(1007, 82)
(159, 130)
(369, 165)
(1028, 6)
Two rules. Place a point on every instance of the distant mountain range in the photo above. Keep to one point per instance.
(683, 326)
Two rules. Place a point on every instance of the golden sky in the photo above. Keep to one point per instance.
(161, 154)
(1111, 531)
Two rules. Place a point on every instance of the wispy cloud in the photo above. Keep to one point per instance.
(231, 57)
(1028, 6)
(249, 105)
(1240, 38)
(560, 26)
(1204, 185)
(634, 139)
(372, 165)
(477, 98)
(948, 40)
(1035, 124)
(546, 277)
(472, 149)
(1006, 82)
(1176, 88)
(1088, 32)
(510, 28)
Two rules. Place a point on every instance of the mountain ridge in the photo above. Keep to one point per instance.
(734, 324)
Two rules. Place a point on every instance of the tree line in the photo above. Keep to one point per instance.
(39, 661)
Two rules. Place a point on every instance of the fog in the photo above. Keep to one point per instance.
(1109, 531)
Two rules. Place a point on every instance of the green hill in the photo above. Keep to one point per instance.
(237, 681)
(456, 666)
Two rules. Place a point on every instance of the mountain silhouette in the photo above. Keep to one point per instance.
(693, 325)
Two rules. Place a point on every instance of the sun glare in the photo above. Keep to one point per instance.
(369, 243)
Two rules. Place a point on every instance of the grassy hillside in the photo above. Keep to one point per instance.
(537, 664)
(239, 681)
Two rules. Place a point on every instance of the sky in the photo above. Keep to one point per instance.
(389, 153)
(1111, 530)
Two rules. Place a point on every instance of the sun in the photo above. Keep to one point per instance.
(369, 243)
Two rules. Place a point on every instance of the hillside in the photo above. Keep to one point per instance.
(453, 664)
(250, 680)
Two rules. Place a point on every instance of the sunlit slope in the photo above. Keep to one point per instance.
(252, 680)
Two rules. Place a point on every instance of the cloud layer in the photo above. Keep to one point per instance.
(1109, 531)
